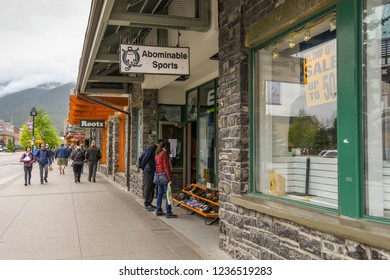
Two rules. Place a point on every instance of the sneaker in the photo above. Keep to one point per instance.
(149, 208)
(154, 207)
(160, 213)
(45, 180)
(171, 215)
(41, 182)
(25, 184)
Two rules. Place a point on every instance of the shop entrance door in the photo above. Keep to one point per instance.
(175, 133)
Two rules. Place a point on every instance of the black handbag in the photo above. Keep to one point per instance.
(160, 178)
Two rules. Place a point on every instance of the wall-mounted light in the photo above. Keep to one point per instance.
(275, 53)
(291, 43)
(306, 36)
(332, 25)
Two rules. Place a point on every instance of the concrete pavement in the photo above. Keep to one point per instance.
(67, 220)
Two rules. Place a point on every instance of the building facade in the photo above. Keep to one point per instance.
(296, 79)
(8, 131)
(284, 113)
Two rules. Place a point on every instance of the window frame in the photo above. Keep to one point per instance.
(349, 111)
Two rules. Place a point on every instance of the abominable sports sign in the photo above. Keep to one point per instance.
(154, 60)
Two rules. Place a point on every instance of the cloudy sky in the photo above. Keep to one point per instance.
(41, 42)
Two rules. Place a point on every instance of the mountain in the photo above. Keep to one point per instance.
(17, 106)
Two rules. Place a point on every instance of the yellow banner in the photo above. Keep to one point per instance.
(320, 70)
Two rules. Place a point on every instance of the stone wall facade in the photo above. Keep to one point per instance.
(246, 233)
(110, 145)
(146, 102)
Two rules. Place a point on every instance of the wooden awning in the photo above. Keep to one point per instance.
(82, 109)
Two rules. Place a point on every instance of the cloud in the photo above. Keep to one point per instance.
(41, 42)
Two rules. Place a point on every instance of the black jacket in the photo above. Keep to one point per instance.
(93, 154)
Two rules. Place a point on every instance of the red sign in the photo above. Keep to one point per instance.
(79, 136)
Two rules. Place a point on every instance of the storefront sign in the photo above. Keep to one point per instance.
(282, 69)
(79, 135)
(154, 60)
(320, 74)
(92, 123)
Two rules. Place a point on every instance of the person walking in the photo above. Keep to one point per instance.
(61, 155)
(78, 157)
(163, 176)
(44, 160)
(83, 150)
(28, 159)
(93, 155)
(51, 156)
(148, 167)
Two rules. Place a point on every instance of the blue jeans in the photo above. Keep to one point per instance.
(161, 190)
(43, 168)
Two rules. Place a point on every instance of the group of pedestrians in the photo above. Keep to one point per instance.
(157, 171)
(79, 155)
(45, 157)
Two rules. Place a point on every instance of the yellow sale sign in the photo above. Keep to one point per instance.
(320, 75)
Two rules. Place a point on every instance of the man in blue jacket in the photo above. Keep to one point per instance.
(44, 160)
(148, 166)
(61, 155)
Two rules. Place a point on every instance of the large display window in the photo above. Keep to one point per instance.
(376, 107)
(295, 115)
(201, 116)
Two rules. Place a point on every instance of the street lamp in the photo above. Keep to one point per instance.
(33, 113)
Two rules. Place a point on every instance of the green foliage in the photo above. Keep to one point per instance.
(10, 145)
(25, 137)
(302, 132)
(43, 130)
(307, 133)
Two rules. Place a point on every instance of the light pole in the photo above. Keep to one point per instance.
(33, 113)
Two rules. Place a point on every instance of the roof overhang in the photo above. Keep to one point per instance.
(94, 108)
(113, 22)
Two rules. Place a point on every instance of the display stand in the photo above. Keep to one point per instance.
(192, 210)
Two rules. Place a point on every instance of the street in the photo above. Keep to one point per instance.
(64, 220)
(10, 167)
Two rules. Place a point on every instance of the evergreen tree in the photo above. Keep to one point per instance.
(10, 145)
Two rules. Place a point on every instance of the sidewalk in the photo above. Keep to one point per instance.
(67, 220)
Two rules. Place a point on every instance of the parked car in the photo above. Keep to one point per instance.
(322, 152)
(330, 154)
(1, 149)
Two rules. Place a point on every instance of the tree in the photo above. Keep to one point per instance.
(44, 131)
(10, 145)
(303, 131)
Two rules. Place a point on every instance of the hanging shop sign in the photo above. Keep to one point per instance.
(79, 136)
(92, 123)
(154, 60)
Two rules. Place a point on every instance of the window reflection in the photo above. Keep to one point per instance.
(376, 102)
(296, 115)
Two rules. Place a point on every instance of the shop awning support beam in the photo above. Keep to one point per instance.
(102, 103)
